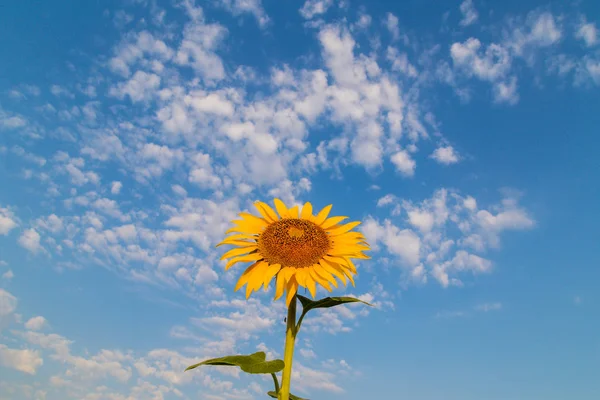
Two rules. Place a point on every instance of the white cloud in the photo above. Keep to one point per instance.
(391, 22)
(254, 7)
(115, 187)
(421, 219)
(213, 103)
(126, 233)
(538, 31)
(36, 323)
(73, 167)
(545, 31)
(135, 49)
(404, 163)
(507, 219)
(205, 275)
(307, 353)
(203, 174)
(430, 249)
(13, 122)
(27, 361)
(311, 8)
(588, 33)
(30, 240)
(462, 261)
(364, 21)
(506, 92)
(243, 325)
(52, 223)
(157, 159)
(490, 65)
(470, 203)
(445, 155)
(197, 49)
(400, 62)
(109, 207)
(179, 190)
(385, 200)
(60, 91)
(315, 379)
(8, 275)
(141, 87)
(7, 223)
(469, 13)
(8, 303)
(403, 243)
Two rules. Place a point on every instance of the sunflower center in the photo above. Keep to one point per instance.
(294, 243)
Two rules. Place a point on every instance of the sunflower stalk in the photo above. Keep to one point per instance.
(288, 354)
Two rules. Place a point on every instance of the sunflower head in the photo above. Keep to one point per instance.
(295, 247)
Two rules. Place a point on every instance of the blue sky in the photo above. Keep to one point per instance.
(462, 134)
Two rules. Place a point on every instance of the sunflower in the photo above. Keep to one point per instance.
(295, 247)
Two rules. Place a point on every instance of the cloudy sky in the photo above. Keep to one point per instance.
(463, 134)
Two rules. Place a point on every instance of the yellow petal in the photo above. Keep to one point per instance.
(237, 237)
(334, 269)
(353, 236)
(329, 222)
(336, 260)
(253, 218)
(350, 265)
(360, 256)
(249, 289)
(301, 276)
(266, 211)
(307, 212)
(322, 215)
(288, 272)
(248, 258)
(343, 228)
(269, 274)
(238, 251)
(342, 244)
(279, 285)
(293, 212)
(258, 276)
(349, 275)
(245, 276)
(319, 279)
(324, 275)
(310, 284)
(281, 208)
(248, 226)
(241, 243)
(348, 248)
(292, 288)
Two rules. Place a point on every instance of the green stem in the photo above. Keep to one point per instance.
(276, 382)
(288, 354)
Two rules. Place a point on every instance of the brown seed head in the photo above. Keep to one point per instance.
(292, 242)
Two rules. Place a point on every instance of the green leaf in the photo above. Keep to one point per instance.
(292, 397)
(267, 367)
(327, 302)
(235, 361)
